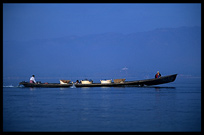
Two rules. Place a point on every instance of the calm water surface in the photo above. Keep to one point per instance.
(171, 107)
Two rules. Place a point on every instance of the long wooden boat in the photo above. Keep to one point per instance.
(146, 82)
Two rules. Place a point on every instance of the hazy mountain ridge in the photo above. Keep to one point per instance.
(170, 50)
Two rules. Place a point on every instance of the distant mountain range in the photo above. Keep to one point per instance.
(169, 50)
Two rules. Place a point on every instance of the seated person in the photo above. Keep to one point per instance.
(32, 79)
(157, 75)
(77, 82)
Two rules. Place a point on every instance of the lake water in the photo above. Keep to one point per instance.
(170, 107)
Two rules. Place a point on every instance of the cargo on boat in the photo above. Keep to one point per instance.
(119, 80)
(116, 83)
(64, 81)
(106, 81)
(86, 81)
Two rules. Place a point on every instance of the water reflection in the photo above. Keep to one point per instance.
(63, 88)
(32, 88)
(160, 88)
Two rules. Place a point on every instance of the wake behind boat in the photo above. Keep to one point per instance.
(123, 83)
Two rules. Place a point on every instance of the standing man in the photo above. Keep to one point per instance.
(32, 79)
(157, 75)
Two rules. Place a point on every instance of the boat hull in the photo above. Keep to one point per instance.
(147, 82)
(43, 85)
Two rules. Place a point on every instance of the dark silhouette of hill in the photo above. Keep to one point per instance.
(169, 50)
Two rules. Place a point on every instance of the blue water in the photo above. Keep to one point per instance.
(171, 107)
